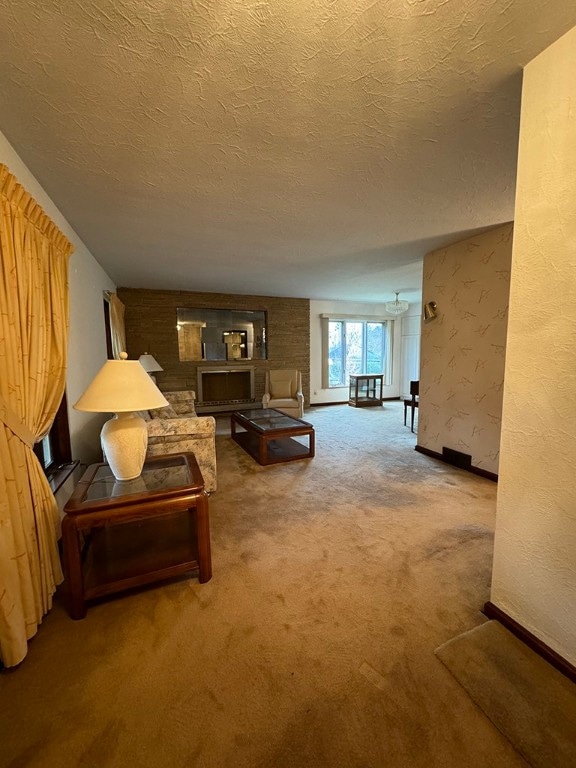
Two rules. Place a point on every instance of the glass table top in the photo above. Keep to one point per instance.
(164, 475)
(267, 419)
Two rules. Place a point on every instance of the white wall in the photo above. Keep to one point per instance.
(462, 364)
(534, 577)
(87, 345)
(409, 352)
(340, 394)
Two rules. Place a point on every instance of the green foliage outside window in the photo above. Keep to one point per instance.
(355, 347)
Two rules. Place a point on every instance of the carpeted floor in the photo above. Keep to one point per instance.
(532, 703)
(313, 645)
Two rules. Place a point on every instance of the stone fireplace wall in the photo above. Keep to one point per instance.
(151, 327)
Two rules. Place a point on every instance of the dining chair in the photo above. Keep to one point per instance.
(412, 403)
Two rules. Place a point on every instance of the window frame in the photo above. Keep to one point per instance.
(58, 440)
(388, 338)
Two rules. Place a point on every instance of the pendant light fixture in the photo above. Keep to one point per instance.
(397, 307)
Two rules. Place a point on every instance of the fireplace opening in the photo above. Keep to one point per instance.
(225, 389)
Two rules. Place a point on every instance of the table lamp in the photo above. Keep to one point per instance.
(122, 387)
(150, 364)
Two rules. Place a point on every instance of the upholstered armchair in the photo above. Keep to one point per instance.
(177, 429)
(283, 390)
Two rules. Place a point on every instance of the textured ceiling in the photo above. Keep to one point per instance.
(313, 149)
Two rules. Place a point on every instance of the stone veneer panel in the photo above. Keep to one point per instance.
(151, 327)
(463, 349)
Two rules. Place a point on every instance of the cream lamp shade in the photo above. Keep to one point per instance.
(149, 363)
(122, 387)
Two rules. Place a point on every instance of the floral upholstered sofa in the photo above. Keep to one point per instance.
(177, 429)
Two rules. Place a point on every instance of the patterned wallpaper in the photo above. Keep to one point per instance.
(463, 349)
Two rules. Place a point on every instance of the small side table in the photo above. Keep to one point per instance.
(365, 389)
(122, 534)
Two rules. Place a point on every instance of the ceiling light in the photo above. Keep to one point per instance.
(397, 307)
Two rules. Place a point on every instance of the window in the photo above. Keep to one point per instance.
(356, 346)
(54, 449)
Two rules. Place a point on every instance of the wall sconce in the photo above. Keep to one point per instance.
(430, 311)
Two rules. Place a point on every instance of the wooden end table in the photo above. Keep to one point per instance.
(122, 534)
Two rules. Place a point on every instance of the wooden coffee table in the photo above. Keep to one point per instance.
(122, 534)
(268, 435)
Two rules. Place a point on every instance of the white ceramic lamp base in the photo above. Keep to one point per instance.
(124, 441)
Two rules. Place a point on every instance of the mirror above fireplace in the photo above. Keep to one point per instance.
(221, 334)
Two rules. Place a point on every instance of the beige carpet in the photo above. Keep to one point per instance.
(532, 703)
(313, 645)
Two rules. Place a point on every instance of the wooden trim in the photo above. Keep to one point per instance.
(345, 402)
(474, 470)
(492, 611)
(60, 475)
(59, 437)
(321, 405)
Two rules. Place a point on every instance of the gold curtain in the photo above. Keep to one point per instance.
(33, 348)
(117, 329)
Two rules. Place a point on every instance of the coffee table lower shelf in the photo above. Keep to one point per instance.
(277, 450)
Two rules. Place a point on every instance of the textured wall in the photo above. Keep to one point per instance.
(151, 327)
(463, 349)
(534, 577)
(277, 147)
